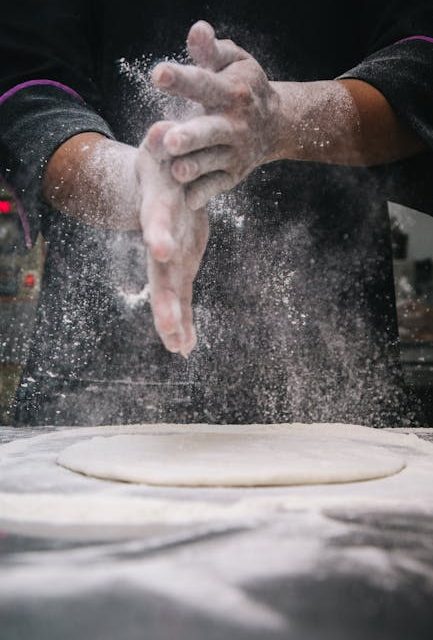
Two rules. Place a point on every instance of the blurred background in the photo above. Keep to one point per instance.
(412, 234)
(21, 272)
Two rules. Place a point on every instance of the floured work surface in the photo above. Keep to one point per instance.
(295, 562)
(260, 456)
(36, 491)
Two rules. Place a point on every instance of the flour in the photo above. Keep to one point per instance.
(34, 489)
(243, 538)
(135, 299)
(148, 103)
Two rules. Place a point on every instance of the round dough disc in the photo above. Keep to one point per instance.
(290, 455)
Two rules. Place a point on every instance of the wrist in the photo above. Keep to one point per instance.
(113, 165)
(316, 122)
(286, 123)
(275, 148)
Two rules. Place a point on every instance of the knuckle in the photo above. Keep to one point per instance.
(178, 170)
(155, 131)
(192, 168)
(241, 92)
(153, 137)
(185, 170)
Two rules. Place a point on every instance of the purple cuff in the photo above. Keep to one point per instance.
(424, 38)
(36, 83)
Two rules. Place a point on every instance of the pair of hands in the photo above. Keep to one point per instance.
(182, 165)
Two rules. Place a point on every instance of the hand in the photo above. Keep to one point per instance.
(215, 151)
(176, 238)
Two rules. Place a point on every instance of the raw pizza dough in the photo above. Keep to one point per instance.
(253, 455)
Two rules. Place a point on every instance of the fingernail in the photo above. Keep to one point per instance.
(203, 28)
(161, 247)
(184, 352)
(186, 169)
(190, 343)
(176, 141)
(186, 349)
(164, 77)
(172, 343)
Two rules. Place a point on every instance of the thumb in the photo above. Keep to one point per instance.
(210, 53)
(153, 141)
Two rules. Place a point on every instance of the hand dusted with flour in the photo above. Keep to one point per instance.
(250, 120)
(124, 188)
(176, 239)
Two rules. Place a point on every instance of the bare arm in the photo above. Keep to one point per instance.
(346, 122)
(107, 184)
(93, 179)
(340, 122)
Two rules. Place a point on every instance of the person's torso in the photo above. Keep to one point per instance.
(294, 299)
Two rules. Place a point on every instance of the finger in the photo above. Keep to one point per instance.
(190, 167)
(189, 334)
(226, 53)
(166, 311)
(209, 52)
(193, 83)
(198, 133)
(172, 308)
(173, 343)
(200, 234)
(200, 43)
(165, 304)
(199, 192)
(197, 245)
(157, 221)
(155, 137)
(189, 341)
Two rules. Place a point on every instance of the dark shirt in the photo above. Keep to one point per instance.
(294, 301)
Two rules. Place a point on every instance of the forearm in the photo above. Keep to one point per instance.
(339, 122)
(93, 179)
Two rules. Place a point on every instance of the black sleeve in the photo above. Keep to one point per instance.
(48, 89)
(398, 44)
(399, 61)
